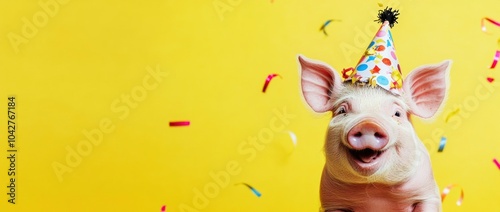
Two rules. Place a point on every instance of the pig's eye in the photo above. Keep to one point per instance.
(397, 114)
(341, 110)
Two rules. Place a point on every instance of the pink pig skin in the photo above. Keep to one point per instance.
(374, 159)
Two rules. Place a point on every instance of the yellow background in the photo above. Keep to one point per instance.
(71, 74)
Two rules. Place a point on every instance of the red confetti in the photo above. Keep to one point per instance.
(268, 80)
(179, 123)
(483, 27)
(446, 191)
(163, 208)
(495, 59)
(496, 162)
(490, 80)
(347, 72)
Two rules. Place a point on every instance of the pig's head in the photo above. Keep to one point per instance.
(370, 138)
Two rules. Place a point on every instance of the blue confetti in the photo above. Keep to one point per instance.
(257, 193)
(326, 24)
(442, 143)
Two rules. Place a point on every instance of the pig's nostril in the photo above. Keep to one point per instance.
(367, 134)
(379, 135)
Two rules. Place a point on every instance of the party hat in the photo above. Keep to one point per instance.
(379, 65)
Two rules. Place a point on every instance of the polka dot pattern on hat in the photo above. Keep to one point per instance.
(379, 63)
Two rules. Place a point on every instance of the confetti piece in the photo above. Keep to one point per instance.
(496, 162)
(179, 123)
(455, 112)
(446, 191)
(163, 208)
(287, 142)
(257, 193)
(380, 4)
(483, 27)
(495, 60)
(442, 144)
(347, 72)
(268, 80)
(322, 28)
(294, 137)
(324, 25)
(490, 80)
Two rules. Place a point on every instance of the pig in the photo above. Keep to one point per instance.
(374, 159)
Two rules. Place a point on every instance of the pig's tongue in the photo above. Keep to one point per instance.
(367, 155)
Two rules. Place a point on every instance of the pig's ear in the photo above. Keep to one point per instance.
(320, 83)
(426, 87)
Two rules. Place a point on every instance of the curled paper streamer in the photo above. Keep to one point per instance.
(495, 60)
(446, 191)
(496, 162)
(322, 28)
(163, 208)
(268, 80)
(442, 144)
(257, 193)
(483, 27)
(179, 123)
(455, 112)
(490, 80)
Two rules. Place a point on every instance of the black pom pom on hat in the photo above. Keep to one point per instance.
(388, 14)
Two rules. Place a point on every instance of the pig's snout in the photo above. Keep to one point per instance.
(367, 135)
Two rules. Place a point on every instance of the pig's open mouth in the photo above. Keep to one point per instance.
(366, 155)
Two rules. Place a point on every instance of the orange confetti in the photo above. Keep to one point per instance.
(446, 191)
